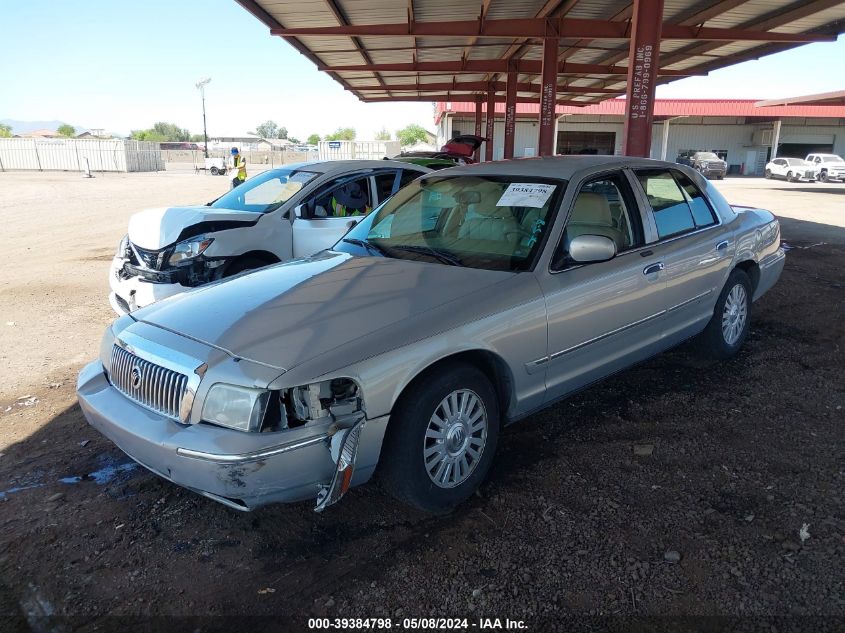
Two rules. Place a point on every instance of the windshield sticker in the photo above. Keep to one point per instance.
(526, 194)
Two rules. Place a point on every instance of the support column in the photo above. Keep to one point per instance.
(548, 98)
(478, 117)
(643, 62)
(510, 114)
(775, 139)
(665, 146)
(491, 123)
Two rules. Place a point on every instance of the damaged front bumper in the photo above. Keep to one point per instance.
(241, 470)
(133, 292)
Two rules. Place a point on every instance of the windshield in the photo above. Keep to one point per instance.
(707, 156)
(796, 161)
(489, 222)
(265, 192)
(831, 158)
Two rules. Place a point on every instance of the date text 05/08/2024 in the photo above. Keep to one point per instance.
(408, 624)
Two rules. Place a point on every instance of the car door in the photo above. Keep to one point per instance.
(606, 315)
(326, 215)
(695, 250)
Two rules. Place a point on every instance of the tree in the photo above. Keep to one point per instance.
(282, 132)
(411, 135)
(5, 131)
(268, 129)
(66, 130)
(383, 135)
(294, 140)
(342, 134)
(313, 139)
(161, 132)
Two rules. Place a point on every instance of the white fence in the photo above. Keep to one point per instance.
(368, 150)
(43, 154)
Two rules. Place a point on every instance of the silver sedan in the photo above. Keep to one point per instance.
(471, 299)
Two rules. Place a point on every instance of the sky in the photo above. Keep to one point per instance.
(120, 65)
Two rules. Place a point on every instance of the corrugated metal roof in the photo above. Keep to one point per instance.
(777, 16)
(671, 107)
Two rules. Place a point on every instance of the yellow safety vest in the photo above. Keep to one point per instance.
(240, 165)
(340, 210)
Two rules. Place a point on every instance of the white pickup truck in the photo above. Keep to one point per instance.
(828, 166)
(281, 214)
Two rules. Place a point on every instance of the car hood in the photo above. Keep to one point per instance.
(286, 314)
(154, 229)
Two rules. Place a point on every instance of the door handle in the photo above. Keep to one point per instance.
(723, 244)
(653, 268)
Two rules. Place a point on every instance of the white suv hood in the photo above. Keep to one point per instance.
(154, 229)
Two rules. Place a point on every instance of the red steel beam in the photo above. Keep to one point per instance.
(548, 98)
(522, 66)
(467, 98)
(482, 86)
(644, 56)
(541, 27)
(510, 114)
(479, 101)
(491, 125)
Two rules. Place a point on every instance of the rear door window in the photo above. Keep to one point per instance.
(677, 203)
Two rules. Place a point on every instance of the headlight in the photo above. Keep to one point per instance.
(704, 164)
(189, 249)
(123, 246)
(240, 408)
(106, 345)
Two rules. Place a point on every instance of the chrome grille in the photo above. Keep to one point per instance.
(146, 383)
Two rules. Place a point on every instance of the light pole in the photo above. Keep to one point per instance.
(201, 84)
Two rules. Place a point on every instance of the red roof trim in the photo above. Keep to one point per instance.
(665, 107)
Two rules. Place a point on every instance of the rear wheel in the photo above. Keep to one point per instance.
(214, 171)
(728, 327)
(441, 439)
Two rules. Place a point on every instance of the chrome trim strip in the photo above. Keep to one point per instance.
(689, 301)
(562, 352)
(238, 458)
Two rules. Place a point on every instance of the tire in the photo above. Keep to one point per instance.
(412, 437)
(214, 171)
(725, 333)
(720, 177)
(243, 264)
(790, 177)
(823, 176)
(768, 174)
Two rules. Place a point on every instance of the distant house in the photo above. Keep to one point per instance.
(97, 134)
(277, 144)
(40, 134)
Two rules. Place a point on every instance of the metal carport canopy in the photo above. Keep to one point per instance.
(566, 52)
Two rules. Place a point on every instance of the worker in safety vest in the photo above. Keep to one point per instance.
(349, 200)
(239, 164)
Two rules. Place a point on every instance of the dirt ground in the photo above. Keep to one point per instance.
(677, 488)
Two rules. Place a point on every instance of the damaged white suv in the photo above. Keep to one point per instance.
(294, 211)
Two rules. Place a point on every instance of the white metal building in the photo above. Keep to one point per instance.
(738, 130)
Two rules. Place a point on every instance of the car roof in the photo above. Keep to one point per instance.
(340, 166)
(560, 167)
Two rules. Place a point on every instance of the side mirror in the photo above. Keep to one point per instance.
(591, 248)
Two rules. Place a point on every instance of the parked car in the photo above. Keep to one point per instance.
(793, 169)
(708, 164)
(283, 213)
(473, 298)
(458, 151)
(828, 166)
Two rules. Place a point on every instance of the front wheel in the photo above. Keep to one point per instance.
(790, 177)
(728, 327)
(214, 171)
(823, 176)
(441, 439)
(768, 174)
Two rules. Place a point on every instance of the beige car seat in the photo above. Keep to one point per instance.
(486, 221)
(592, 216)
